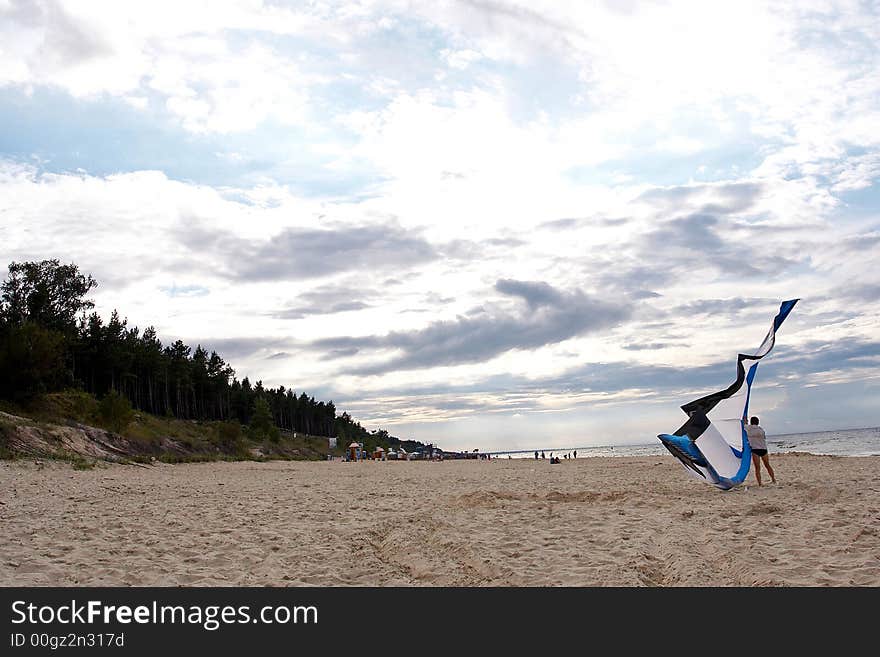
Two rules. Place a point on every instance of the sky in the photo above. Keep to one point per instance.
(478, 223)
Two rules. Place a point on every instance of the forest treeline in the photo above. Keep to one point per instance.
(51, 339)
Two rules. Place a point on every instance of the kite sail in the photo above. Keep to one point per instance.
(712, 444)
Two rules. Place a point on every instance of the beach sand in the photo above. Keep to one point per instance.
(585, 522)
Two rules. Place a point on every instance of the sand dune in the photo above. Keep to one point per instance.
(589, 522)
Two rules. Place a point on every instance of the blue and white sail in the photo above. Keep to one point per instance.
(713, 445)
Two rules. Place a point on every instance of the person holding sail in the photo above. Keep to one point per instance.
(758, 443)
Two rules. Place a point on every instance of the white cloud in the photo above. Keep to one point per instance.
(856, 172)
(461, 59)
(680, 145)
(547, 141)
(179, 50)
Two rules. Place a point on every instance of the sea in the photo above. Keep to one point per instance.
(841, 442)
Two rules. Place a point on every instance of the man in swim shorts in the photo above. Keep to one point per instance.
(758, 442)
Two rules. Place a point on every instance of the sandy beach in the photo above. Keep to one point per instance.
(584, 522)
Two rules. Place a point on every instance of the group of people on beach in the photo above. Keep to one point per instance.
(555, 459)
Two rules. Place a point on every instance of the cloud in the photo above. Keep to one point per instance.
(299, 312)
(707, 241)
(822, 356)
(715, 198)
(551, 316)
(201, 64)
(47, 38)
(236, 348)
(717, 307)
(303, 253)
(561, 224)
(863, 292)
(536, 294)
(858, 172)
(67, 42)
(646, 346)
(327, 300)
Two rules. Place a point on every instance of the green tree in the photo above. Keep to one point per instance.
(31, 361)
(115, 410)
(39, 303)
(262, 425)
(46, 293)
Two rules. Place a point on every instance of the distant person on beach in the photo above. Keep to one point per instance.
(758, 442)
(536, 456)
(542, 455)
(575, 453)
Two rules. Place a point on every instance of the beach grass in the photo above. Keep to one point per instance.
(153, 437)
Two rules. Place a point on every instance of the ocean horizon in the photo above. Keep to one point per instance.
(839, 442)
